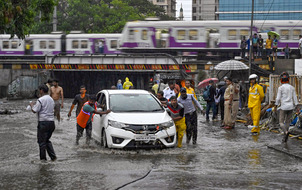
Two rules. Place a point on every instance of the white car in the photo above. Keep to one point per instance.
(137, 119)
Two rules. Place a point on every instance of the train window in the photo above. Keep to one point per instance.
(284, 34)
(14, 45)
(51, 45)
(131, 35)
(296, 34)
(113, 44)
(232, 34)
(84, 44)
(42, 44)
(193, 34)
(75, 44)
(5, 44)
(144, 35)
(181, 34)
(244, 33)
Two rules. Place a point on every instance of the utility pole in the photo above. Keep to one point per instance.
(54, 20)
(251, 34)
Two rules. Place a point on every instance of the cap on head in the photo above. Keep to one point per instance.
(182, 89)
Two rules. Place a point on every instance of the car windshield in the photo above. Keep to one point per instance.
(134, 103)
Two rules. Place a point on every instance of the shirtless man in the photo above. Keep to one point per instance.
(56, 92)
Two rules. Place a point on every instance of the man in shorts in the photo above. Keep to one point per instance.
(56, 92)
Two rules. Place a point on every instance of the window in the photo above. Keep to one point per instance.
(139, 103)
(14, 45)
(51, 45)
(199, 10)
(194, 1)
(144, 35)
(244, 33)
(113, 44)
(193, 34)
(131, 35)
(232, 34)
(194, 9)
(181, 34)
(5, 44)
(42, 44)
(84, 44)
(160, 1)
(75, 44)
(194, 18)
(296, 34)
(284, 34)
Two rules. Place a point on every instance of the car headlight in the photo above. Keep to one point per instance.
(117, 124)
(167, 124)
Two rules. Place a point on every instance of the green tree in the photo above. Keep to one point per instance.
(99, 16)
(17, 16)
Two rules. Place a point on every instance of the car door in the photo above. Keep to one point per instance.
(97, 124)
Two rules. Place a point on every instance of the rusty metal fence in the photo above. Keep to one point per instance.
(274, 83)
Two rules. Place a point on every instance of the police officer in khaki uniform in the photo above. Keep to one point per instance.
(235, 103)
(228, 102)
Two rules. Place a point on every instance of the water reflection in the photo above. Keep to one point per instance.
(254, 162)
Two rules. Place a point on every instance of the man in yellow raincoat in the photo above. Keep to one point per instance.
(256, 96)
(127, 84)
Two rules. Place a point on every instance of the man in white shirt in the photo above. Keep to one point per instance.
(44, 108)
(169, 91)
(287, 99)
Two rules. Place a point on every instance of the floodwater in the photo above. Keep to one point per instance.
(222, 159)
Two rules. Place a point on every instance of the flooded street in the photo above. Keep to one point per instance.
(222, 159)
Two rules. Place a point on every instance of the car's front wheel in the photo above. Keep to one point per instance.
(104, 139)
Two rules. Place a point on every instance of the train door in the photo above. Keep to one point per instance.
(162, 38)
(213, 37)
(98, 45)
(29, 46)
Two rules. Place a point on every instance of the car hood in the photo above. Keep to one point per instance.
(140, 118)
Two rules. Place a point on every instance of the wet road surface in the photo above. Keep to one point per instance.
(222, 159)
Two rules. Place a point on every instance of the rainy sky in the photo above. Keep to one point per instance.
(187, 7)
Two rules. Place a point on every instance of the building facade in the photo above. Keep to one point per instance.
(204, 9)
(168, 5)
(241, 9)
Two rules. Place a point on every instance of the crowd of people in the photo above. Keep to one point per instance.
(270, 47)
(226, 98)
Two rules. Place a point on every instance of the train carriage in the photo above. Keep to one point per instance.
(202, 36)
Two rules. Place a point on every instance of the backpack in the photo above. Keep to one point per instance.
(206, 94)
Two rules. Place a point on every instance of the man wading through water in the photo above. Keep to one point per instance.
(176, 111)
(287, 99)
(84, 119)
(44, 108)
(190, 113)
(79, 100)
(56, 92)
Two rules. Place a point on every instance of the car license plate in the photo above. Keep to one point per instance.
(145, 137)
